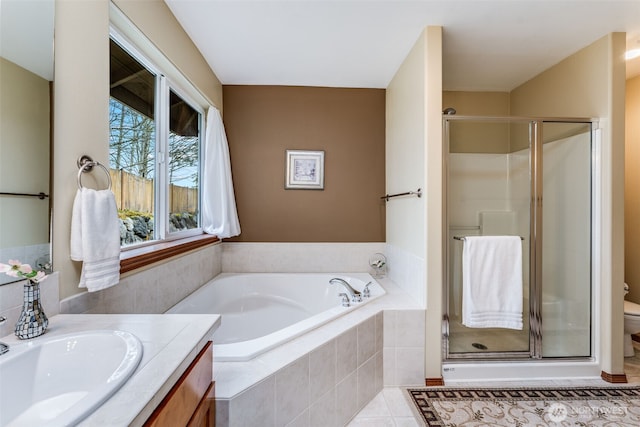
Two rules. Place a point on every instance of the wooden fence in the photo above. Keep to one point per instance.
(136, 194)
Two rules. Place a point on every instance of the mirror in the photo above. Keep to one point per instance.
(26, 76)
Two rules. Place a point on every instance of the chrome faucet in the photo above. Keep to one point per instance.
(366, 292)
(355, 295)
(3, 347)
(345, 299)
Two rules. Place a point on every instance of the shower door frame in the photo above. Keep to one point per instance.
(535, 238)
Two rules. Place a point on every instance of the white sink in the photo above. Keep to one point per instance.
(60, 380)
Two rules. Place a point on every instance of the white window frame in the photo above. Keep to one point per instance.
(163, 160)
(168, 78)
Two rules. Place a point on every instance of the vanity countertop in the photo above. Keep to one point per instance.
(170, 343)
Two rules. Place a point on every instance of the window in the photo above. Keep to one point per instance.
(154, 149)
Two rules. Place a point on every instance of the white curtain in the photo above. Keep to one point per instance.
(219, 214)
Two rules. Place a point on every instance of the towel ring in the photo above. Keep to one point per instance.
(86, 164)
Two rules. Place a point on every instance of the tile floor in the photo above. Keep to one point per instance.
(390, 408)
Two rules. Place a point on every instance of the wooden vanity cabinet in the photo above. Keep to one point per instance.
(191, 401)
(205, 415)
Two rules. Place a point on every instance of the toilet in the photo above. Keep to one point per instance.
(631, 323)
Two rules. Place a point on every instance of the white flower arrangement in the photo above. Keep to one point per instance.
(15, 268)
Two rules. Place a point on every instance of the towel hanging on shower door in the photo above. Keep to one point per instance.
(492, 282)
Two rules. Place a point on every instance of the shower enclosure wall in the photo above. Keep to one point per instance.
(530, 178)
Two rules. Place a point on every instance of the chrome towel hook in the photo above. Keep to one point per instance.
(86, 164)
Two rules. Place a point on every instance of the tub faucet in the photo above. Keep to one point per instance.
(345, 299)
(366, 292)
(3, 347)
(355, 295)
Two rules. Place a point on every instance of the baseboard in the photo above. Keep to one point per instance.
(613, 378)
(434, 382)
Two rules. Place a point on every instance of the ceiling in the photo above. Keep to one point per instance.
(487, 45)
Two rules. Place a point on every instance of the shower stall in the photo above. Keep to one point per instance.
(531, 178)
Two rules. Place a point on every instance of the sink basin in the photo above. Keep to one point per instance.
(61, 380)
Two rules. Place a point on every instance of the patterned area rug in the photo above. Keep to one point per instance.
(571, 406)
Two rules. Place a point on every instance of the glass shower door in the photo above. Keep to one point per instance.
(531, 178)
(566, 240)
(488, 193)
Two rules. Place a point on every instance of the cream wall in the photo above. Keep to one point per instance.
(477, 103)
(590, 83)
(567, 89)
(81, 94)
(468, 137)
(414, 160)
(434, 219)
(632, 189)
(405, 150)
(24, 154)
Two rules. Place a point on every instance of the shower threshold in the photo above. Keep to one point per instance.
(511, 370)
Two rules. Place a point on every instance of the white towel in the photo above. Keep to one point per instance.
(95, 238)
(492, 282)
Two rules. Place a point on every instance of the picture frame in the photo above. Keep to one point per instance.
(304, 170)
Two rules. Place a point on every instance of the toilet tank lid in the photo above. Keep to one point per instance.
(631, 308)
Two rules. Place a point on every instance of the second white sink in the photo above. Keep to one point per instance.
(61, 380)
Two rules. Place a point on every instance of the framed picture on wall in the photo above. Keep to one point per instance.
(304, 170)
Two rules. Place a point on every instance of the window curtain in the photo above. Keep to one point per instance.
(219, 214)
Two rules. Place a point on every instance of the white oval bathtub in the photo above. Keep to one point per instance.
(263, 310)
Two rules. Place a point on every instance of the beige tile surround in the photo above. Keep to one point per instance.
(324, 387)
(397, 359)
(152, 290)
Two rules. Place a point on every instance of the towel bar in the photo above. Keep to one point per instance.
(418, 193)
(463, 237)
(40, 195)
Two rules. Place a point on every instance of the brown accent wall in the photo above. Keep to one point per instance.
(348, 124)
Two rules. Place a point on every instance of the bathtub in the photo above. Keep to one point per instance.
(261, 311)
